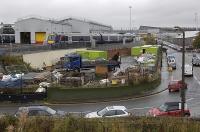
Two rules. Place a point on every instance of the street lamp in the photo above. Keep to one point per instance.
(130, 17)
(183, 70)
(21, 83)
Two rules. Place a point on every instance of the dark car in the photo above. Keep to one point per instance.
(169, 109)
(175, 85)
(171, 61)
(39, 111)
(170, 57)
(195, 60)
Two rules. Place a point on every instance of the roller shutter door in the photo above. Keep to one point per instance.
(40, 37)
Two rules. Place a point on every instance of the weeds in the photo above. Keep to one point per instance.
(70, 124)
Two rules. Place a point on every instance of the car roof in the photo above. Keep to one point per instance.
(116, 107)
(33, 108)
(170, 56)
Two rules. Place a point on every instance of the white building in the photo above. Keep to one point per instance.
(34, 30)
(87, 26)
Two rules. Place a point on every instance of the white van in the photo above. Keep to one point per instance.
(188, 70)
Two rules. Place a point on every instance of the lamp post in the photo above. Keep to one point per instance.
(183, 70)
(21, 83)
(130, 17)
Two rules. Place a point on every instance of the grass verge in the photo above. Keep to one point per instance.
(79, 95)
(70, 124)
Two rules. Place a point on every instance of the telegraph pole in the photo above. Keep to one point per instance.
(183, 71)
(183, 77)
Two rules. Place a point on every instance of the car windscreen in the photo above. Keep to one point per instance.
(163, 107)
(51, 37)
(102, 112)
(51, 111)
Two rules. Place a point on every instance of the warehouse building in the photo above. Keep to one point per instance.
(87, 26)
(189, 38)
(35, 30)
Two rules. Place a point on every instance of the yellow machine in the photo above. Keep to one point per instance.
(51, 39)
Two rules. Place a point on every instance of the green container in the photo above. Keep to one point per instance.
(93, 55)
(84, 53)
(136, 51)
(152, 50)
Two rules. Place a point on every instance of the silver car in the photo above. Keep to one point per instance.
(38, 111)
(110, 111)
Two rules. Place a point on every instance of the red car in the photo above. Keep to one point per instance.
(168, 109)
(175, 85)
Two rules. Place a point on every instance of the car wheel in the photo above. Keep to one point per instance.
(169, 90)
(187, 115)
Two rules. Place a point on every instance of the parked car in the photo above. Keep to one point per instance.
(169, 109)
(175, 85)
(110, 111)
(170, 57)
(195, 60)
(172, 63)
(39, 111)
(188, 70)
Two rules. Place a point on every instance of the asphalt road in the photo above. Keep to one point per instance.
(142, 105)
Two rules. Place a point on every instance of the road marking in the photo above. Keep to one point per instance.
(195, 77)
(140, 108)
(197, 80)
(189, 99)
(82, 112)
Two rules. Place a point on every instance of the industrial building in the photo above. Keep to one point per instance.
(87, 26)
(7, 33)
(178, 38)
(35, 30)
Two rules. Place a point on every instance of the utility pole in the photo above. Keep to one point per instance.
(183, 77)
(21, 83)
(161, 52)
(183, 70)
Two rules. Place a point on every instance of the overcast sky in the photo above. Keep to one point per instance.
(110, 12)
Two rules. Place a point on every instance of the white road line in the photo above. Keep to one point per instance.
(189, 99)
(79, 112)
(140, 108)
(197, 80)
